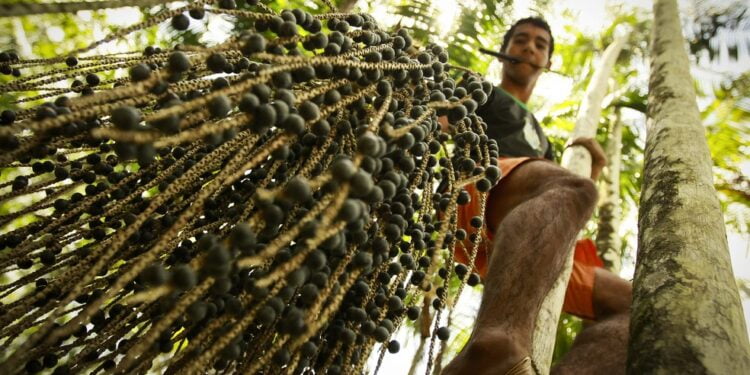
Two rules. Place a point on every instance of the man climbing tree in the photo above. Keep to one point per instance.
(533, 216)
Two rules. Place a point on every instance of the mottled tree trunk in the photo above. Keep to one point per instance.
(686, 315)
(608, 241)
(578, 160)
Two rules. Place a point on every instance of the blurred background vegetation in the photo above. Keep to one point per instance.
(718, 34)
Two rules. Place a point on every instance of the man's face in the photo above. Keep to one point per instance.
(530, 43)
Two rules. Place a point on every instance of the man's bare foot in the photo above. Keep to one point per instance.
(489, 354)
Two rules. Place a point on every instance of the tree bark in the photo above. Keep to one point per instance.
(578, 160)
(686, 316)
(608, 241)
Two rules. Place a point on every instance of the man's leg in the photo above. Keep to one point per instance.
(538, 210)
(612, 295)
(601, 348)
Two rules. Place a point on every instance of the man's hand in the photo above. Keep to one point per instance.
(598, 158)
(444, 125)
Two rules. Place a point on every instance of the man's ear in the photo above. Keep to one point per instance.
(549, 64)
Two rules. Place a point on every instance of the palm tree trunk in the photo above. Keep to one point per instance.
(608, 242)
(686, 316)
(346, 6)
(578, 160)
(418, 356)
(443, 344)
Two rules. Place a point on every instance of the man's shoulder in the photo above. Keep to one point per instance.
(500, 106)
(497, 97)
(500, 95)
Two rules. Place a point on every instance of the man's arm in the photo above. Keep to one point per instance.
(598, 158)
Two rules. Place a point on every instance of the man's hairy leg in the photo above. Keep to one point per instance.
(612, 295)
(601, 348)
(540, 209)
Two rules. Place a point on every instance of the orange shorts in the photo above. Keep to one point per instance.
(579, 293)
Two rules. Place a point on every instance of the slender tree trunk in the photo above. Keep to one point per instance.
(418, 356)
(22, 42)
(608, 241)
(439, 359)
(686, 316)
(443, 345)
(578, 160)
(346, 6)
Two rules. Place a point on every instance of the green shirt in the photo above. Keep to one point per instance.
(513, 126)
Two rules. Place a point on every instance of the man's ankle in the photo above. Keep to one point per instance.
(488, 353)
(491, 343)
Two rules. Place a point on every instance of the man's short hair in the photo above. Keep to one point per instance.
(536, 21)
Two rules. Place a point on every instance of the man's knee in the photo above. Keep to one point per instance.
(534, 178)
(577, 190)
